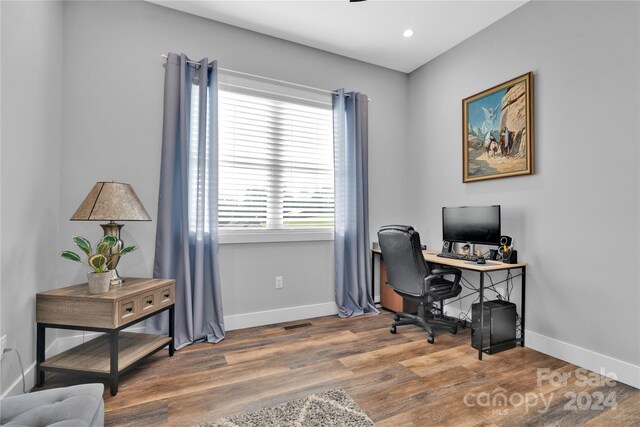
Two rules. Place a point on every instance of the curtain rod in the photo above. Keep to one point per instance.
(281, 82)
(262, 77)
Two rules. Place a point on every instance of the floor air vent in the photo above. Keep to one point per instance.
(299, 325)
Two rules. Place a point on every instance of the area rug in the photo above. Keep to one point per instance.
(330, 408)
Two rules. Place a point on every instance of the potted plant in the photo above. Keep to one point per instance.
(100, 260)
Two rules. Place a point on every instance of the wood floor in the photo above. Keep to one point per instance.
(398, 380)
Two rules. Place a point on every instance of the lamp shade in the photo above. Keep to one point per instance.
(111, 201)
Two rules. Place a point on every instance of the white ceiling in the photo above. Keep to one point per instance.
(369, 31)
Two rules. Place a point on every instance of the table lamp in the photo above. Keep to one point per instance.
(112, 201)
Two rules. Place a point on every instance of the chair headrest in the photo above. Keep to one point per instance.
(405, 228)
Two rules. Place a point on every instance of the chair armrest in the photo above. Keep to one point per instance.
(438, 274)
(444, 271)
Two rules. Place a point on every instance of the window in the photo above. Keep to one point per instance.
(275, 162)
(196, 198)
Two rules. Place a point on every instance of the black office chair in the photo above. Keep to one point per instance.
(410, 276)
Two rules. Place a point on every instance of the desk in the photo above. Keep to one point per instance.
(115, 352)
(431, 257)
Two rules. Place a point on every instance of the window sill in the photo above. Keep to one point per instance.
(273, 236)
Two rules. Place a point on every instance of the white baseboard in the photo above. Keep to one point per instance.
(16, 387)
(617, 369)
(260, 318)
(58, 345)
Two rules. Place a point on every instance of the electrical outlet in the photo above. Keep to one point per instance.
(3, 345)
(279, 282)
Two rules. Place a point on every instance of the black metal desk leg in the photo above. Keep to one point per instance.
(522, 301)
(172, 333)
(373, 281)
(481, 341)
(41, 334)
(113, 375)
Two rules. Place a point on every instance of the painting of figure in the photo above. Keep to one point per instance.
(497, 132)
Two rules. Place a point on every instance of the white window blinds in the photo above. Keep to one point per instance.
(275, 162)
(198, 200)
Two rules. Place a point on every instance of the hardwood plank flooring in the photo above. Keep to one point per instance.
(398, 380)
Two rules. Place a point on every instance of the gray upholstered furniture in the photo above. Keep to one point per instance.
(77, 406)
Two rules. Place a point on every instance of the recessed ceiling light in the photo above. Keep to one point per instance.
(408, 32)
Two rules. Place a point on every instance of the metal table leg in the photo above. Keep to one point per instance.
(373, 281)
(481, 315)
(113, 376)
(522, 301)
(41, 334)
(172, 330)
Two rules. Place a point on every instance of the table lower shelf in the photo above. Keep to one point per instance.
(93, 356)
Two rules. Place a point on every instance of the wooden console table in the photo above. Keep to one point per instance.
(115, 352)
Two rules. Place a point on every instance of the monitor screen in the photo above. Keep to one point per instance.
(472, 224)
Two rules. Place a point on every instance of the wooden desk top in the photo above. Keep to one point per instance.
(431, 256)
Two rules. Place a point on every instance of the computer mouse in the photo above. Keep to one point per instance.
(481, 260)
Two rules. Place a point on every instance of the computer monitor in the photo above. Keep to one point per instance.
(471, 224)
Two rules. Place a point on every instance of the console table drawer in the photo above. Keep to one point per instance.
(166, 296)
(128, 310)
(149, 303)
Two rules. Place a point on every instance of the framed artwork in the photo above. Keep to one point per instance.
(497, 131)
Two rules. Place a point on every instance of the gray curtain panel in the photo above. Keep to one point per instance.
(351, 234)
(187, 233)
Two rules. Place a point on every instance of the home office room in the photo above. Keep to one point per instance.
(285, 213)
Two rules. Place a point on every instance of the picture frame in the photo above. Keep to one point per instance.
(497, 131)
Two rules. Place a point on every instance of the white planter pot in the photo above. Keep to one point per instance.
(99, 282)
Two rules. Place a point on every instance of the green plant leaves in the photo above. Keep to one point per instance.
(103, 259)
(83, 244)
(127, 250)
(98, 262)
(102, 248)
(110, 240)
(72, 256)
(106, 243)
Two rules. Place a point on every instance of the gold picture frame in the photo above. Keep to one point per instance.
(497, 131)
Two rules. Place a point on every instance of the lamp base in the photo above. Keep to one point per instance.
(116, 281)
(113, 229)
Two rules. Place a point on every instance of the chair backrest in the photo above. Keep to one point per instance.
(403, 259)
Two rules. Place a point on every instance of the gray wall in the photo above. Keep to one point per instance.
(584, 196)
(31, 138)
(113, 79)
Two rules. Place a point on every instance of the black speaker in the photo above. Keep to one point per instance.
(505, 241)
(499, 325)
(447, 246)
(510, 257)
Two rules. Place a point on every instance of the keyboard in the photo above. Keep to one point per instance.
(453, 255)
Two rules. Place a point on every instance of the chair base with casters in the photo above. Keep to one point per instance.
(413, 279)
(426, 319)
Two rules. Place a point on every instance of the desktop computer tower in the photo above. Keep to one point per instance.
(499, 325)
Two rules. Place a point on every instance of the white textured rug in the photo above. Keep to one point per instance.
(330, 408)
